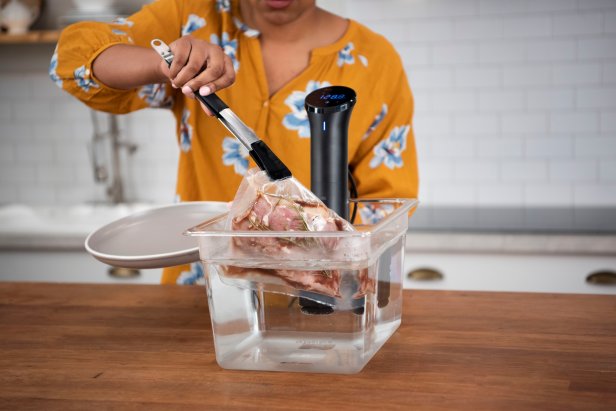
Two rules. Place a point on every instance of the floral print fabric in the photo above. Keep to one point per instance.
(235, 154)
(373, 213)
(194, 276)
(185, 132)
(52, 69)
(83, 80)
(223, 6)
(229, 46)
(377, 120)
(345, 56)
(389, 151)
(297, 119)
(211, 163)
(155, 95)
(193, 23)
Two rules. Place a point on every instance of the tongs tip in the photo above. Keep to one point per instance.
(259, 151)
(268, 161)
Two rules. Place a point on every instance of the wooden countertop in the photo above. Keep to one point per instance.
(74, 347)
(31, 37)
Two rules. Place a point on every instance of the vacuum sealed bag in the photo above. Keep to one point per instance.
(284, 205)
(287, 206)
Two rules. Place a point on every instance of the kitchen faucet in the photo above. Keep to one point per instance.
(107, 137)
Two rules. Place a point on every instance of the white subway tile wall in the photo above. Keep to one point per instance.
(46, 135)
(515, 107)
(520, 97)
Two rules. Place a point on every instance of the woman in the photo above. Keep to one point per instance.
(274, 52)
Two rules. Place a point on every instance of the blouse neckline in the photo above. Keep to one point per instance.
(318, 51)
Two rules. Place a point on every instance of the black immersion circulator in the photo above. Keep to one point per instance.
(329, 111)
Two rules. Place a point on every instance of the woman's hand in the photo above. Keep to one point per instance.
(198, 67)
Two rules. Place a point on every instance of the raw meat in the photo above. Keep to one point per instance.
(325, 282)
(272, 212)
(263, 205)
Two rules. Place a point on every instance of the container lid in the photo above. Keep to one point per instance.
(152, 238)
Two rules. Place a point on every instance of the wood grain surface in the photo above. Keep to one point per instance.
(37, 36)
(84, 347)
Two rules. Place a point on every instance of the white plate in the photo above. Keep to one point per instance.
(152, 238)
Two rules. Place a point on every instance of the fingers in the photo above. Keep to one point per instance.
(198, 64)
(195, 64)
(214, 69)
(227, 78)
(181, 49)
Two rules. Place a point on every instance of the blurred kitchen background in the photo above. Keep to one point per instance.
(515, 125)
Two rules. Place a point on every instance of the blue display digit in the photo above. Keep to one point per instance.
(332, 96)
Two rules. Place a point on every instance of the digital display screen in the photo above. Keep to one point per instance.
(332, 96)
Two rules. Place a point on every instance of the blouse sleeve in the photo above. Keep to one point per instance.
(385, 165)
(81, 43)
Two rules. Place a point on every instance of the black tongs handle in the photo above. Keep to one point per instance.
(213, 103)
(258, 150)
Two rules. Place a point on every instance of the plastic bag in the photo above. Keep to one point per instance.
(285, 205)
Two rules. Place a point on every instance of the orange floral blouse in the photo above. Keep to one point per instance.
(212, 163)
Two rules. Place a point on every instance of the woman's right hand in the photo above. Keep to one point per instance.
(198, 67)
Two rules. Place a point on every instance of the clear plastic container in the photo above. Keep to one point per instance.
(262, 321)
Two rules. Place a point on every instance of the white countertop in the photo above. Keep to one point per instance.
(25, 227)
(57, 227)
(518, 243)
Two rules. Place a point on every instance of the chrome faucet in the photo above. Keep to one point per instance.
(105, 154)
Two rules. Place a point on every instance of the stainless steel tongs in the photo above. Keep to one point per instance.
(258, 150)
